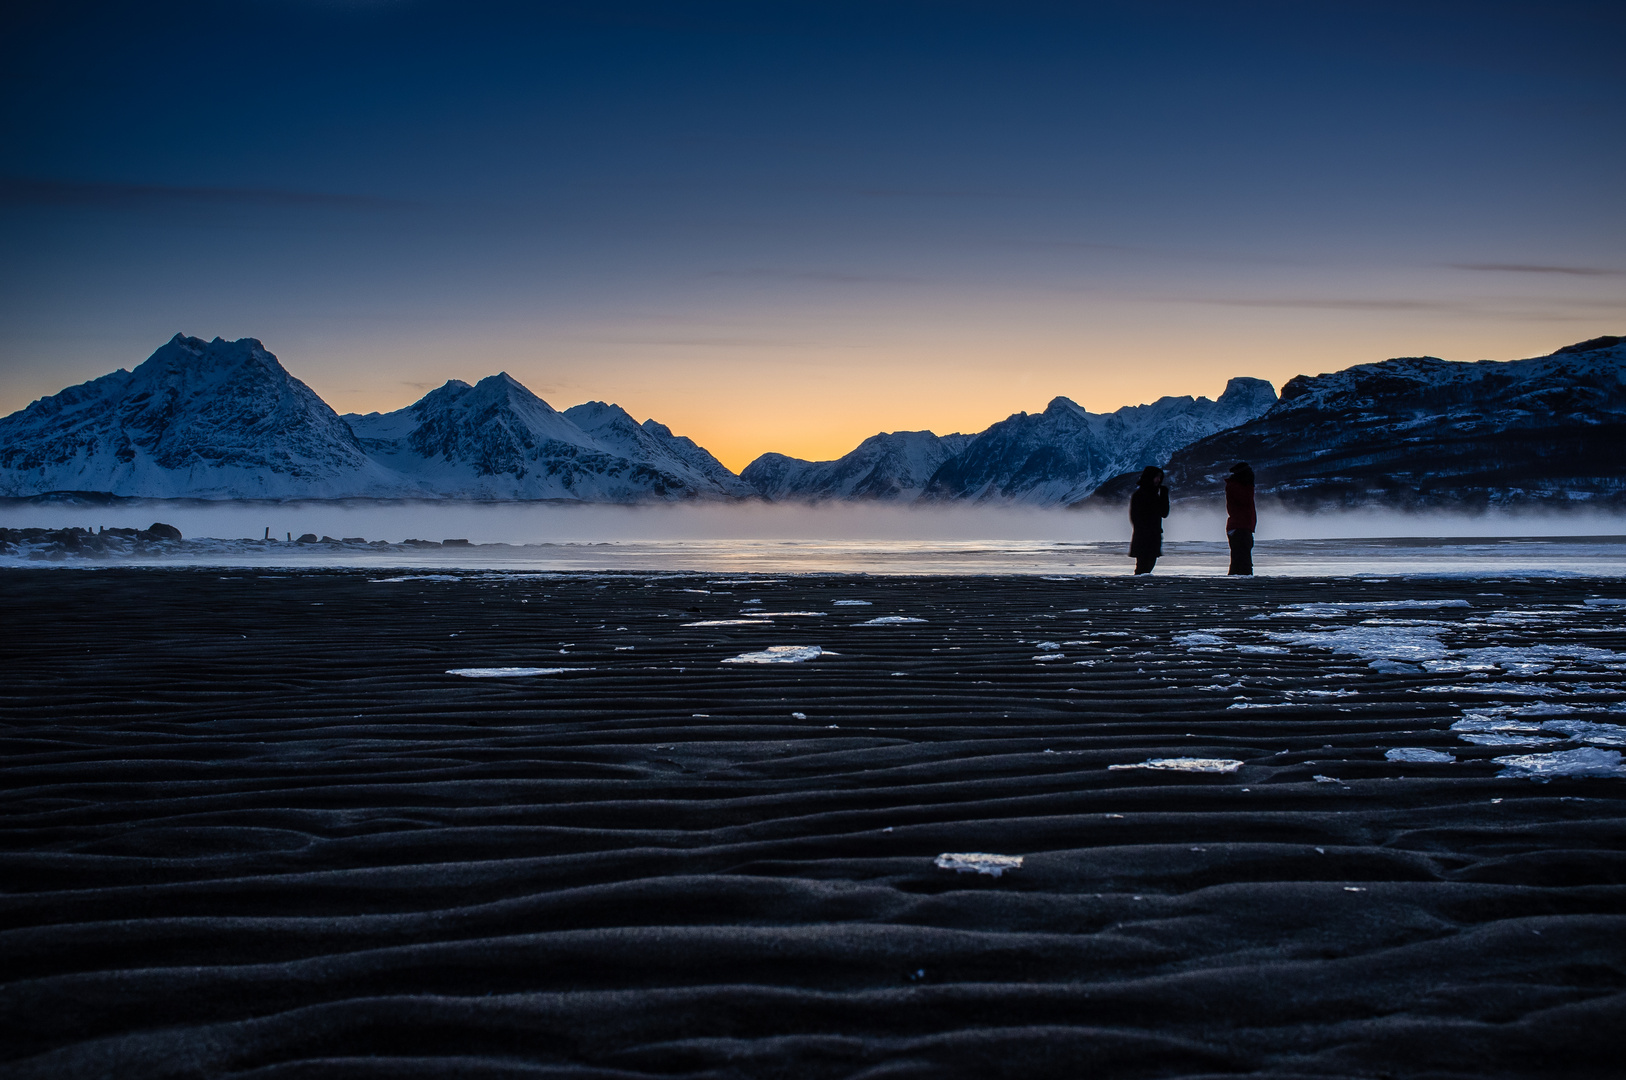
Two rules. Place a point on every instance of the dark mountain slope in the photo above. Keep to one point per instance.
(1424, 432)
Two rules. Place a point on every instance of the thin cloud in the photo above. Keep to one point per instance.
(24, 191)
(1516, 310)
(829, 277)
(1331, 304)
(712, 342)
(1534, 268)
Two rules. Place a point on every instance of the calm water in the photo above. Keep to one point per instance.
(858, 539)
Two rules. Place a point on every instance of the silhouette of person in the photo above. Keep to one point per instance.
(1148, 506)
(1240, 518)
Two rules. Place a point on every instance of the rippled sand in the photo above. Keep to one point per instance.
(266, 823)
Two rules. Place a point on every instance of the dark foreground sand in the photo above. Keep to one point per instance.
(249, 827)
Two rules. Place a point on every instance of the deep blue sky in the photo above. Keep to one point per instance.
(786, 226)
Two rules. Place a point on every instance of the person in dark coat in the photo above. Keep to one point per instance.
(1240, 517)
(1148, 506)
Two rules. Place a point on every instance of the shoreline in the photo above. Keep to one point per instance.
(1414, 557)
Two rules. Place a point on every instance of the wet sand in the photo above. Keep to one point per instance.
(250, 827)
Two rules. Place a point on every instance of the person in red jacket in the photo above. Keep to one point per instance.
(1240, 518)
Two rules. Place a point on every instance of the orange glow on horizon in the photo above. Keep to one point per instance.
(820, 403)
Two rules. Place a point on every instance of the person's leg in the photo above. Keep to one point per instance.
(1143, 565)
(1241, 552)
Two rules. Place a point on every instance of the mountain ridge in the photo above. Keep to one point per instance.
(1422, 432)
(224, 420)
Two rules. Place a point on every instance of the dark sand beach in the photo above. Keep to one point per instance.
(251, 827)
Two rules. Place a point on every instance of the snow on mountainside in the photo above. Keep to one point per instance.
(895, 466)
(1065, 452)
(218, 419)
(1425, 432)
(497, 440)
(224, 420)
(652, 442)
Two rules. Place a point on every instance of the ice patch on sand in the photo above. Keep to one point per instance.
(890, 620)
(1455, 667)
(1419, 755)
(1503, 719)
(850, 603)
(731, 622)
(1187, 640)
(978, 862)
(1538, 655)
(777, 654)
(1184, 764)
(508, 672)
(1589, 731)
(1498, 739)
(1599, 601)
(414, 577)
(1498, 689)
(1586, 761)
(1263, 650)
(1406, 643)
(1517, 725)
(772, 614)
(1048, 646)
(1336, 607)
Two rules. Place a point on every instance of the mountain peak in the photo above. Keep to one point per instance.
(218, 418)
(593, 414)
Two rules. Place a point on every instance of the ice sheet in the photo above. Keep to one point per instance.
(1329, 608)
(1408, 643)
(1498, 689)
(777, 654)
(978, 862)
(508, 672)
(1419, 755)
(1519, 724)
(1184, 764)
(1543, 655)
(888, 620)
(1586, 761)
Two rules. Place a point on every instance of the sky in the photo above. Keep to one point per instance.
(786, 227)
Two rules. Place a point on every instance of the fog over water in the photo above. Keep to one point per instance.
(786, 538)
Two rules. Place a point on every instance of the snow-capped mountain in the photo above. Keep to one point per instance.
(895, 466)
(497, 440)
(1425, 432)
(218, 419)
(652, 442)
(225, 420)
(1065, 452)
